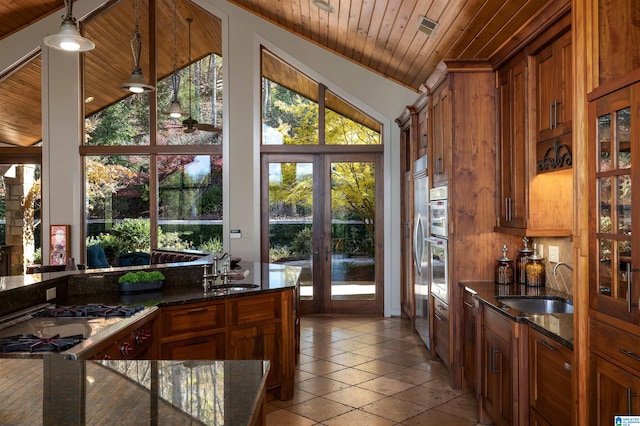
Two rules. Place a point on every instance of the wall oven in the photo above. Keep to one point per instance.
(438, 252)
(438, 215)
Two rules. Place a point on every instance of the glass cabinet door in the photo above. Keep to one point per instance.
(613, 168)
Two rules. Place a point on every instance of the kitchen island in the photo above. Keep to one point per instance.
(56, 391)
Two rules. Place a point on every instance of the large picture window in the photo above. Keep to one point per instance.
(153, 180)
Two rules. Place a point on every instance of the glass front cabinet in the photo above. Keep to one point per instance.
(613, 167)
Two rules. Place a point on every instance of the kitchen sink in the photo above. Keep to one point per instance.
(234, 286)
(538, 305)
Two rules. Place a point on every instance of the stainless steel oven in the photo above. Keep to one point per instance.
(438, 212)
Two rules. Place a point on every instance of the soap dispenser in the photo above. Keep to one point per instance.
(504, 271)
(521, 261)
(535, 269)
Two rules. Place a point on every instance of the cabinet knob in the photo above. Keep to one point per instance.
(567, 366)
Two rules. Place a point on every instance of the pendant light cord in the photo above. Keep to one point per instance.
(189, 20)
(136, 44)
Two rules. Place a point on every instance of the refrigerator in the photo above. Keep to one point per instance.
(420, 249)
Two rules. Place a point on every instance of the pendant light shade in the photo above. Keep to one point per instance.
(69, 38)
(175, 109)
(136, 83)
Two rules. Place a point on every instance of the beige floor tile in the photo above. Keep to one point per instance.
(320, 386)
(301, 376)
(443, 384)
(358, 418)
(398, 345)
(370, 338)
(462, 406)
(412, 375)
(351, 376)
(320, 352)
(379, 367)
(348, 345)
(426, 397)
(319, 409)
(437, 418)
(394, 409)
(405, 359)
(321, 367)
(298, 397)
(375, 352)
(283, 417)
(386, 386)
(349, 359)
(346, 333)
(354, 397)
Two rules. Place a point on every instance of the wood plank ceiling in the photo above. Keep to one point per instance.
(380, 35)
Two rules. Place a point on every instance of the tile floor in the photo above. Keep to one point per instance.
(371, 371)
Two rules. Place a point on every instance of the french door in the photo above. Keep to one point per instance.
(322, 212)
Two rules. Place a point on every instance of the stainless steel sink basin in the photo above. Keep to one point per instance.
(234, 286)
(538, 305)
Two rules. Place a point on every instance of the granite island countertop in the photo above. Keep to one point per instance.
(558, 326)
(53, 390)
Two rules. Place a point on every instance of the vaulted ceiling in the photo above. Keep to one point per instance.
(380, 35)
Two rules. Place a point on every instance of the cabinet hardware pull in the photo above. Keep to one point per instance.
(630, 395)
(437, 317)
(196, 311)
(567, 366)
(546, 345)
(469, 304)
(550, 115)
(555, 113)
(630, 354)
(494, 364)
(442, 307)
(195, 342)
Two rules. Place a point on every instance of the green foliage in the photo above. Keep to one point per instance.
(37, 256)
(301, 244)
(141, 277)
(173, 241)
(214, 245)
(133, 234)
(276, 254)
(111, 245)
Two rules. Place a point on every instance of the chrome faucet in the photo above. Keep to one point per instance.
(215, 261)
(555, 268)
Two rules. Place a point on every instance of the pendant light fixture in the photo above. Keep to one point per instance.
(175, 109)
(69, 38)
(136, 83)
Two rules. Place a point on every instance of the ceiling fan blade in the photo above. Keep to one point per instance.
(208, 128)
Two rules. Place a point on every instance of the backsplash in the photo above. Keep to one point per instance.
(564, 279)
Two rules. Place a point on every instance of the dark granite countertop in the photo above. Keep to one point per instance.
(558, 326)
(53, 390)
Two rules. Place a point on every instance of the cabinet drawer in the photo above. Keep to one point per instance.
(204, 347)
(192, 318)
(615, 344)
(498, 323)
(244, 310)
(440, 309)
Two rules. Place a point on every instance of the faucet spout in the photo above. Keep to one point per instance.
(555, 268)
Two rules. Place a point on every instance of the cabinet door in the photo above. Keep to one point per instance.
(203, 347)
(550, 378)
(553, 87)
(270, 344)
(613, 174)
(469, 346)
(497, 391)
(617, 392)
(243, 343)
(441, 124)
(441, 331)
(258, 343)
(512, 180)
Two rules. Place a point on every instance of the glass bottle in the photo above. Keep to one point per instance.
(521, 261)
(504, 271)
(535, 269)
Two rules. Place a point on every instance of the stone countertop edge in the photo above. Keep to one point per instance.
(183, 284)
(557, 326)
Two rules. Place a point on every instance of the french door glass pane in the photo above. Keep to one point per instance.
(291, 219)
(352, 231)
(604, 142)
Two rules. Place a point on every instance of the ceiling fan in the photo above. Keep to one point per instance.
(190, 124)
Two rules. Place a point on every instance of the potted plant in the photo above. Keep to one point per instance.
(141, 281)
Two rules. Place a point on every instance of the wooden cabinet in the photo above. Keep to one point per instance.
(615, 392)
(441, 132)
(503, 389)
(554, 88)
(193, 331)
(470, 348)
(613, 172)
(441, 331)
(550, 375)
(260, 326)
(512, 146)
